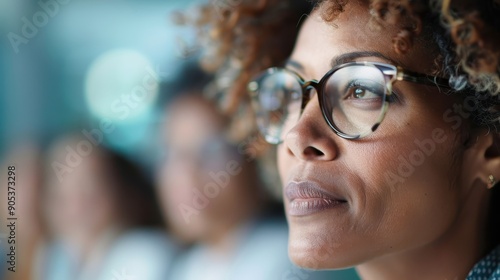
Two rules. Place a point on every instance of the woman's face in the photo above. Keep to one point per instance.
(196, 160)
(384, 194)
(83, 205)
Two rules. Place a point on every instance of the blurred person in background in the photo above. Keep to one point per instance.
(214, 199)
(26, 158)
(101, 215)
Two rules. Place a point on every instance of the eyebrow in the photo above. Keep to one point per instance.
(345, 58)
(352, 56)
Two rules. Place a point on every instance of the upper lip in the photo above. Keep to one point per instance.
(308, 189)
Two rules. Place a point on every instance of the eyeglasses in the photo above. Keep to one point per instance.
(353, 97)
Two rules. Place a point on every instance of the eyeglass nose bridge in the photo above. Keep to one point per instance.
(307, 86)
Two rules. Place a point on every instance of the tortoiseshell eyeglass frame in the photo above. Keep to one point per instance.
(390, 72)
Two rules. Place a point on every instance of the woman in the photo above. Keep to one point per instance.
(101, 213)
(213, 198)
(385, 115)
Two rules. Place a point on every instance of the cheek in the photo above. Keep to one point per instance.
(400, 197)
(407, 170)
(402, 192)
(284, 161)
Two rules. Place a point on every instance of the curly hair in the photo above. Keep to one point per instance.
(243, 37)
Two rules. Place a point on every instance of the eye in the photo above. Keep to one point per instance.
(360, 93)
(363, 90)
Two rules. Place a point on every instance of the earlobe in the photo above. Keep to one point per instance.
(492, 181)
(483, 157)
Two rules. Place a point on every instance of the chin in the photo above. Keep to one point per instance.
(312, 249)
(318, 258)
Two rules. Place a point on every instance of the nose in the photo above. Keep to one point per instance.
(312, 138)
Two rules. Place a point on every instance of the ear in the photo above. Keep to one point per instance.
(482, 157)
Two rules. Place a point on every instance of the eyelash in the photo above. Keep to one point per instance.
(360, 85)
(394, 97)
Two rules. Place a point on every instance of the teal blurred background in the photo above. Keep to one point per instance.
(83, 59)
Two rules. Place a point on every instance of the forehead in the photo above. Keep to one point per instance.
(191, 121)
(353, 30)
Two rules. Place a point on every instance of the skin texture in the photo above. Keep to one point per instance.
(431, 225)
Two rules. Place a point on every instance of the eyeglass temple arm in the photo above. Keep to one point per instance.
(423, 79)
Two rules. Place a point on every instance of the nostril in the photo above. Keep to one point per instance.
(311, 139)
(312, 152)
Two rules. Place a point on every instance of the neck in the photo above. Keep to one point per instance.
(451, 256)
(85, 244)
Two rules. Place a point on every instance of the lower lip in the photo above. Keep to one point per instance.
(308, 206)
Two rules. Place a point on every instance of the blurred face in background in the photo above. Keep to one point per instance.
(196, 150)
(83, 205)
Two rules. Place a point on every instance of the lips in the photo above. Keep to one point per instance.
(307, 197)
